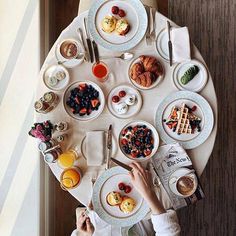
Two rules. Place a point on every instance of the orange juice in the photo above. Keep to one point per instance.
(67, 159)
(70, 178)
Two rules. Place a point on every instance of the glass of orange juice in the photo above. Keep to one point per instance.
(67, 159)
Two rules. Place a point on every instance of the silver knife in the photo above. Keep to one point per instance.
(109, 146)
(119, 163)
(169, 44)
(95, 50)
(89, 44)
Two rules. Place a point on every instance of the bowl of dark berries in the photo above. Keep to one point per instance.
(84, 100)
(139, 140)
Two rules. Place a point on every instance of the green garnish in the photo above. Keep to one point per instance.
(189, 74)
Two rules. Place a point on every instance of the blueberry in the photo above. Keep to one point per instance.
(164, 120)
(144, 126)
(129, 128)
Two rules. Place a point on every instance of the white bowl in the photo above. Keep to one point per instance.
(155, 136)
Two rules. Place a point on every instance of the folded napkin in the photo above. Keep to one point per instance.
(94, 144)
(180, 44)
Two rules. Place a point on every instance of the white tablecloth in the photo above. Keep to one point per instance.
(151, 100)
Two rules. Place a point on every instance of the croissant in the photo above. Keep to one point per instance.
(151, 64)
(145, 79)
(136, 70)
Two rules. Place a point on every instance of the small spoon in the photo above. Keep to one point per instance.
(78, 57)
(123, 56)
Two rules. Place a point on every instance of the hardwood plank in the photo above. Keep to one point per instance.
(212, 28)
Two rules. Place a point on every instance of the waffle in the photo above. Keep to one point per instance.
(183, 126)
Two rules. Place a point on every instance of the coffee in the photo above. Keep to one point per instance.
(69, 49)
(186, 185)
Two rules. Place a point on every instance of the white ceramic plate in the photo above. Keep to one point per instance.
(107, 183)
(159, 79)
(51, 71)
(162, 44)
(199, 80)
(114, 146)
(69, 63)
(204, 111)
(132, 110)
(135, 14)
(154, 134)
(95, 113)
(176, 175)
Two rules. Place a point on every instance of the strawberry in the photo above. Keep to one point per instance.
(124, 141)
(124, 131)
(194, 108)
(121, 13)
(94, 102)
(134, 154)
(147, 152)
(115, 10)
(77, 100)
(128, 189)
(82, 87)
(121, 186)
(83, 111)
(115, 99)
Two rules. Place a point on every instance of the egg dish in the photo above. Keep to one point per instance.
(127, 205)
(109, 24)
(114, 198)
(122, 26)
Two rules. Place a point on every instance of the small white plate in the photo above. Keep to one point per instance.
(197, 83)
(83, 146)
(154, 134)
(176, 175)
(135, 14)
(51, 71)
(95, 113)
(69, 63)
(107, 183)
(162, 44)
(159, 79)
(204, 111)
(132, 110)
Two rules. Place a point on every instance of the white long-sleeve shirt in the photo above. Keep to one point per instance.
(165, 224)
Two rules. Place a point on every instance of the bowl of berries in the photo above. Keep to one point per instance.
(139, 140)
(84, 100)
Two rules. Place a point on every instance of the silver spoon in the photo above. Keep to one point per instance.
(123, 56)
(78, 57)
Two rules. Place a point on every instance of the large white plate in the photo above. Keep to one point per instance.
(108, 182)
(199, 80)
(204, 111)
(135, 14)
(94, 114)
(134, 109)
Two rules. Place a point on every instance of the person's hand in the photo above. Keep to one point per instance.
(84, 225)
(142, 181)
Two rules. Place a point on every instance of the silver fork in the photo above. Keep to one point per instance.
(90, 206)
(153, 31)
(150, 30)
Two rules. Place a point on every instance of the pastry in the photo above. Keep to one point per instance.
(145, 79)
(114, 198)
(136, 70)
(122, 26)
(127, 205)
(130, 100)
(109, 24)
(151, 64)
(121, 108)
(189, 75)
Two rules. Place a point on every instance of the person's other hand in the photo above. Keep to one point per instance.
(84, 225)
(141, 180)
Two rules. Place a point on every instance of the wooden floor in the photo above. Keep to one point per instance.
(212, 28)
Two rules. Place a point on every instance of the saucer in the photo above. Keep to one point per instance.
(69, 63)
(180, 173)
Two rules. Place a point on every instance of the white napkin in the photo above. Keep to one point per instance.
(181, 44)
(94, 143)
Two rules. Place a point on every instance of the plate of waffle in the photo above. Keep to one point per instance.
(116, 201)
(184, 117)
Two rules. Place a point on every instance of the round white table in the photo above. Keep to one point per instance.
(151, 100)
